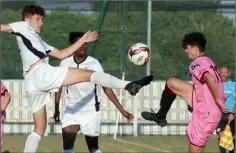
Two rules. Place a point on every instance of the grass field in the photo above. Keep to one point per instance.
(107, 144)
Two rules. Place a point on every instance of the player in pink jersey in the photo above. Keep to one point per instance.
(4, 101)
(205, 96)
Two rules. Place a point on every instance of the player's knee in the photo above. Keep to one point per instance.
(195, 151)
(67, 130)
(170, 86)
(40, 131)
(171, 82)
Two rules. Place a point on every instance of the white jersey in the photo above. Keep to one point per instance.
(32, 47)
(82, 96)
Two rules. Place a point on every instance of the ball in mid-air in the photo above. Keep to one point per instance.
(139, 54)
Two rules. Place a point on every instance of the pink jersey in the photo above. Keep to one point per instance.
(204, 105)
(3, 91)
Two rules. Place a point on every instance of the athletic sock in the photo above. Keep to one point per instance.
(32, 142)
(69, 150)
(168, 96)
(97, 151)
(106, 80)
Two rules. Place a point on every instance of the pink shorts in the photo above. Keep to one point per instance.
(199, 130)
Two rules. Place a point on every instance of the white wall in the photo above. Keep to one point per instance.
(19, 118)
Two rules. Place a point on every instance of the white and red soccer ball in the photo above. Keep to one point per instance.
(139, 54)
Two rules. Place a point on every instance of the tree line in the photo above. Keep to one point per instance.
(168, 58)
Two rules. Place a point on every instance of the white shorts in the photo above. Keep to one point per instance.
(42, 80)
(89, 122)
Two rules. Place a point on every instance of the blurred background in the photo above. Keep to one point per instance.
(121, 24)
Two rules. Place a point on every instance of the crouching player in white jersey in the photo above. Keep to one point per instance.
(41, 78)
(82, 112)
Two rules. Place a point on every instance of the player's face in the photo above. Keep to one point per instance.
(192, 52)
(224, 74)
(81, 52)
(36, 21)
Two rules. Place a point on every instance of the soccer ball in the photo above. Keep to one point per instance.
(139, 54)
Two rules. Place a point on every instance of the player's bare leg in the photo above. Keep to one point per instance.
(40, 125)
(182, 89)
(174, 87)
(92, 143)
(69, 134)
(75, 75)
(195, 149)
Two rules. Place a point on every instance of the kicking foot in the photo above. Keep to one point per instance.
(152, 116)
(134, 86)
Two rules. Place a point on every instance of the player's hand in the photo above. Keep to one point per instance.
(128, 116)
(90, 36)
(57, 116)
(222, 106)
(231, 117)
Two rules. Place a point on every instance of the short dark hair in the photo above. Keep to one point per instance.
(32, 10)
(195, 39)
(73, 36)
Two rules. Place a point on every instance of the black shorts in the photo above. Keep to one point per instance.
(223, 123)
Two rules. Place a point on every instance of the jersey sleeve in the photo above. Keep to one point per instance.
(198, 70)
(99, 67)
(47, 47)
(20, 26)
(62, 63)
(3, 89)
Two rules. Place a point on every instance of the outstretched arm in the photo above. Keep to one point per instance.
(6, 28)
(87, 37)
(111, 95)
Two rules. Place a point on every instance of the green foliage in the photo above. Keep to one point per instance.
(168, 28)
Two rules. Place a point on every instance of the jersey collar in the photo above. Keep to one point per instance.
(229, 81)
(200, 57)
(30, 26)
(81, 61)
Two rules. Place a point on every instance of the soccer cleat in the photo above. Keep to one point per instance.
(152, 116)
(134, 86)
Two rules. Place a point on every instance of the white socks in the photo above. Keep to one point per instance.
(106, 80)
(68, 150)
(31, 144)
(97, 151)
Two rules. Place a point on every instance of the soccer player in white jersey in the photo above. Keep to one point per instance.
(82, 112)
(42, 78)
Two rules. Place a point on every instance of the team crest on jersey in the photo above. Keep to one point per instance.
(194, 66)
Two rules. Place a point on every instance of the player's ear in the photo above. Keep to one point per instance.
(196, 49)
(188, 46)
